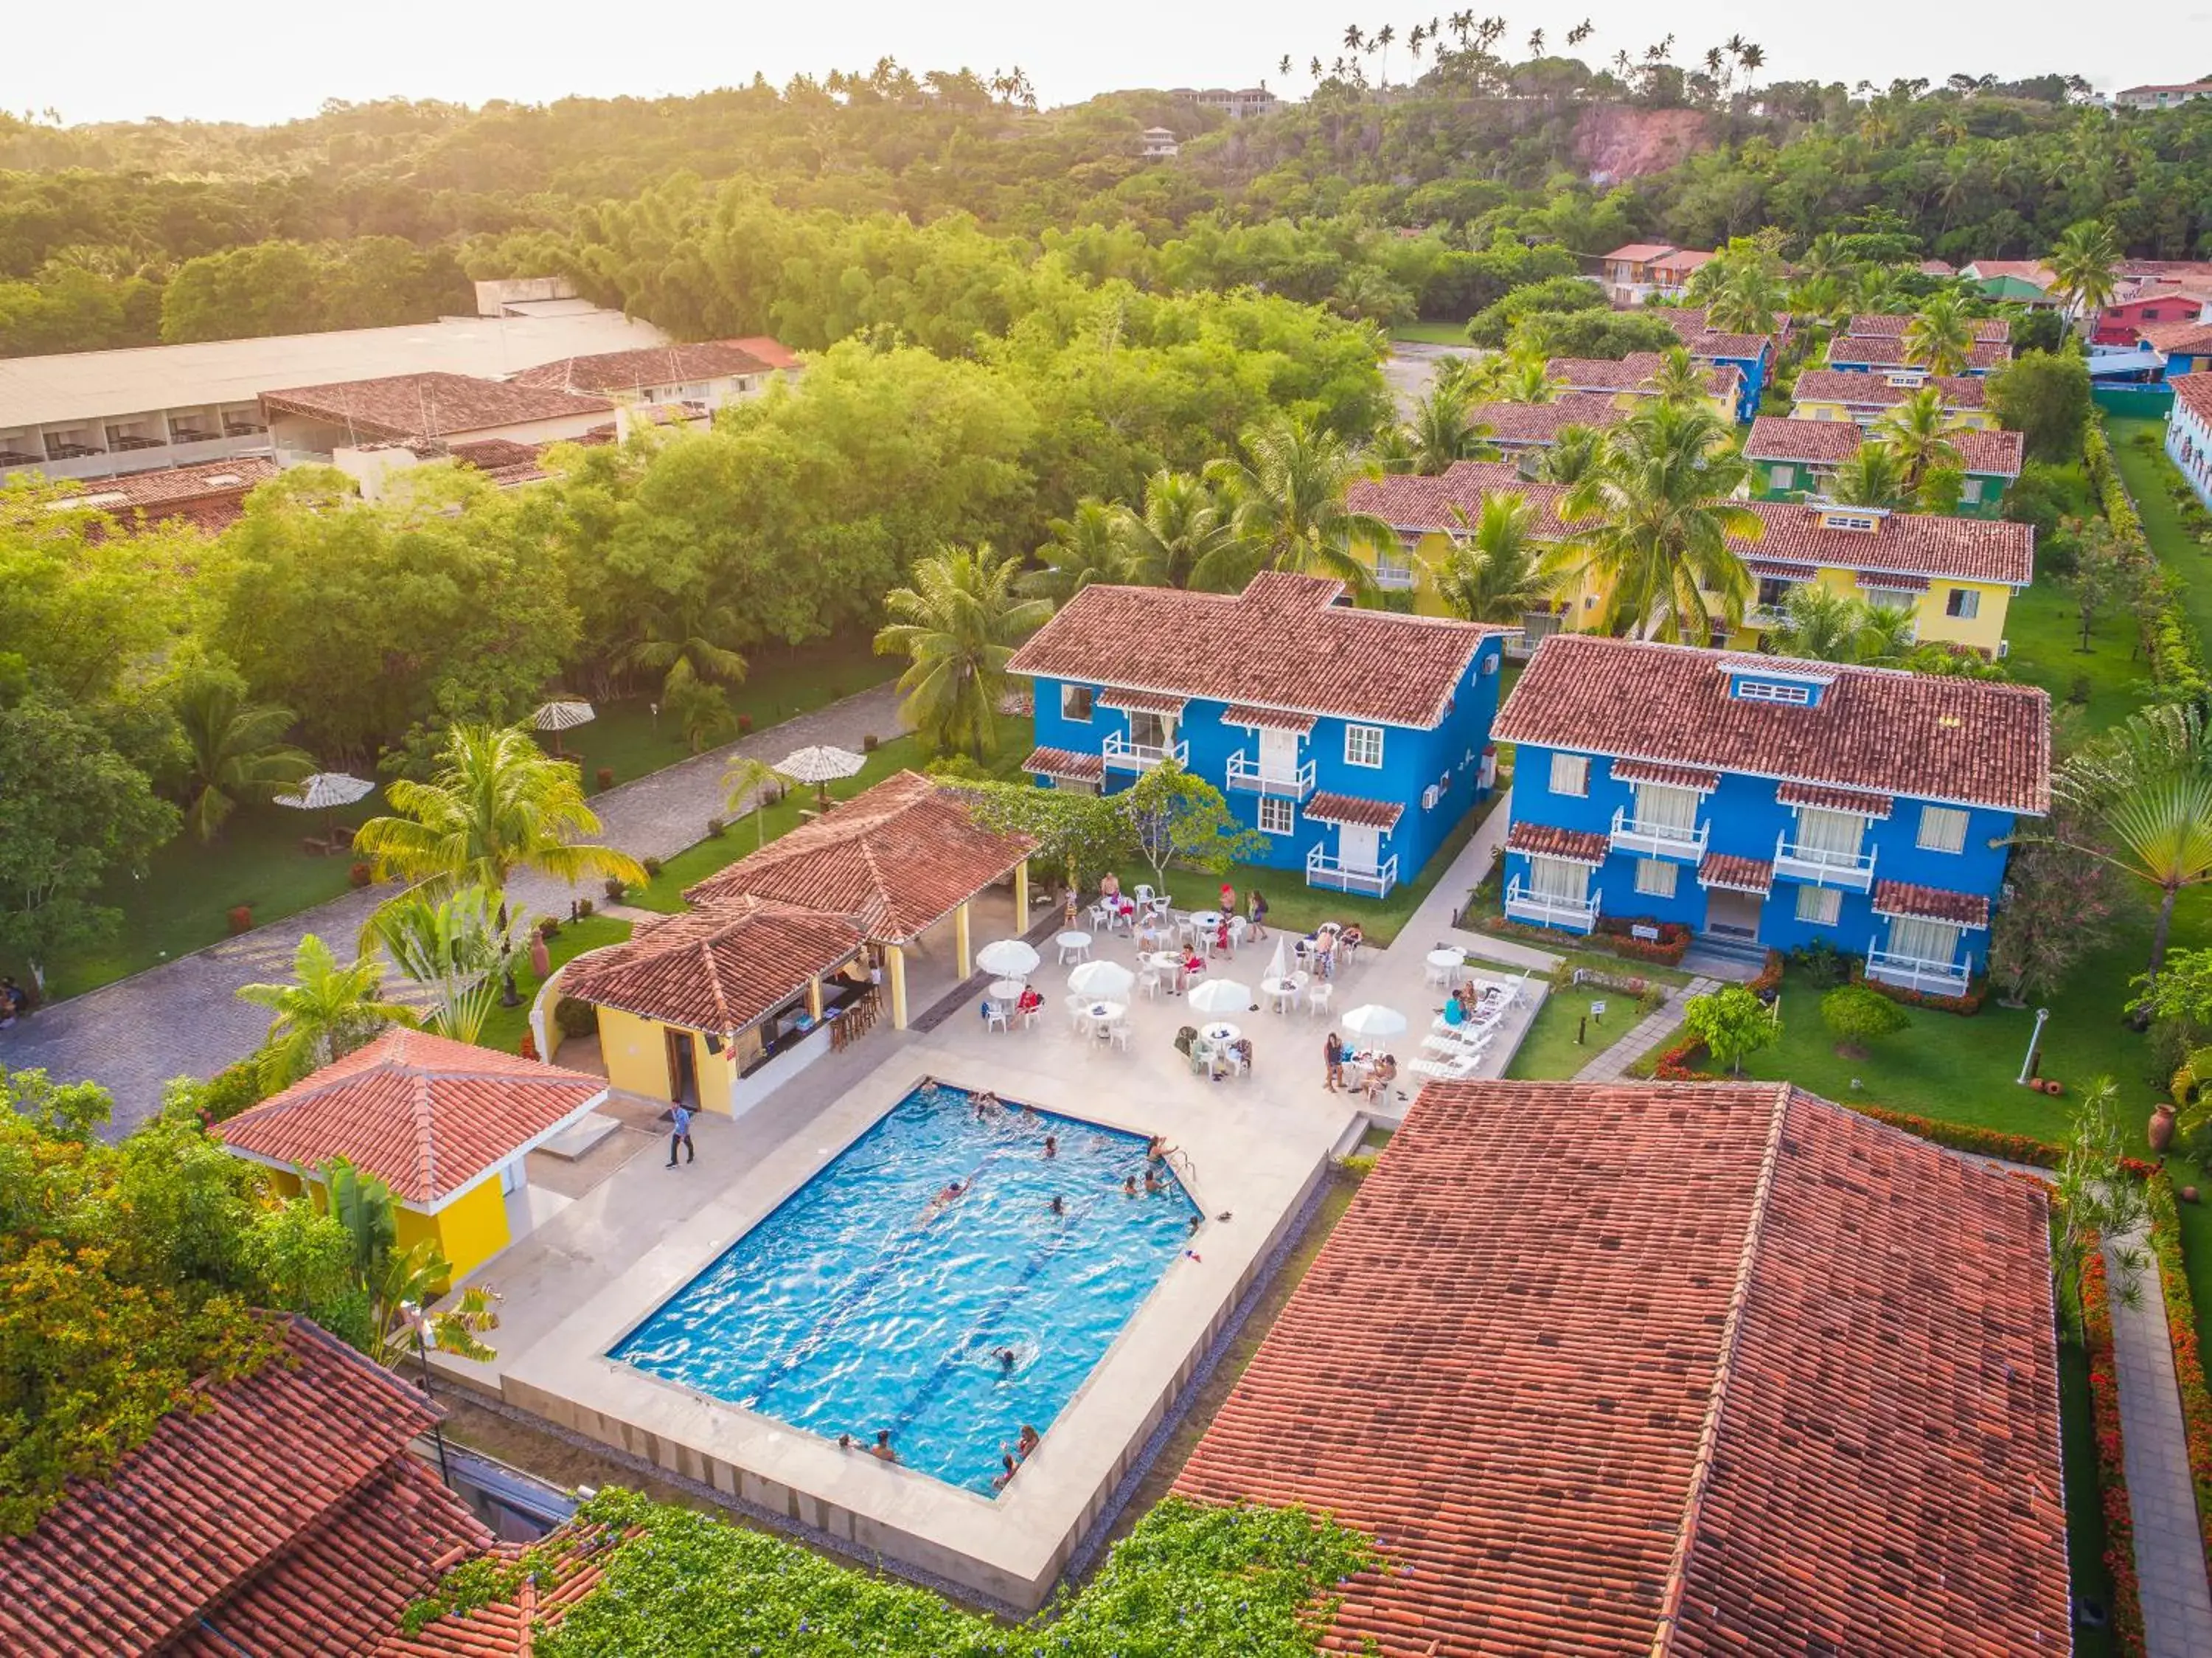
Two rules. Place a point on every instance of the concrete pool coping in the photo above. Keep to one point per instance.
(1254, 1150)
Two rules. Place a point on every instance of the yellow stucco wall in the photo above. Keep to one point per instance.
(1822, 409)
(470, 1230)
(636, 1053)
(1983, 631)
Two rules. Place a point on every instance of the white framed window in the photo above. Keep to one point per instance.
(1571, 774)
(1965, 603)
(1780, 477)
(1923, 941)
(1277, 816)
(1830, 837)
(1654, 877)
(1970, 492)
(1556, 878)
(1075, 702)
(1766, 691)
(1150, 731)
(1820, 905)
(1942, 829)
(1849, 520)
(1890, 599)
(1363, 745)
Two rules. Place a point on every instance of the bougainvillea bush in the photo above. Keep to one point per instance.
(2112, 1459)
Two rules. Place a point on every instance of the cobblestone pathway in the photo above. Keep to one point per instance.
(184, 1018)
(1646, 1034)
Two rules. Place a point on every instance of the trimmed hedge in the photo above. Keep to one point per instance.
(2112, 1461)
(2188, 1362)
(2169, 638)
(1977, 993)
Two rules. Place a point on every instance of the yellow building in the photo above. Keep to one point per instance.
(1865, 398)
(447, 1125)
(1630, 378)
(717, 1007)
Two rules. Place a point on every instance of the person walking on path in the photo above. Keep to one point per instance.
(1331, 1054)
(679, 1134)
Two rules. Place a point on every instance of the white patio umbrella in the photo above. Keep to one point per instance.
(1279, 965)
(1219, 995)
(326, 791)
(564, 715)
(820, 765)
(1372, 1019)
(1008, 958)
(1105, 979)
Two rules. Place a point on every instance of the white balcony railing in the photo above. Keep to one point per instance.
(1575, 914)
(1123, 755)
(1392, 577)
(1248, 777)
(1323, 870)
(1913, 973)
(1821, 868)
(1659, 841)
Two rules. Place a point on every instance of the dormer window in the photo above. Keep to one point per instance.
(1907, 377)
(1773, 690)
(1865, 522)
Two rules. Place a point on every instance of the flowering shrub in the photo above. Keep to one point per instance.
(242, 918)
(2181, 1331)
(2111, 1463)
(1679, 1064)
(1971, 1003)
(1614, 933)
(1967, 1137)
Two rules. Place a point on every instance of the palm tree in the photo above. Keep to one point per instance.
(1572, 456)
(681, 639)
(1180, 524)
(327, 1011)
(1086, 546)
(1873, 477)
(454, 947)
(958, 625)
(1919, 431)
(1677, 380)
(1491, 571)
(1822, 626)
(399, 1283)
(1286, 505)
(1440, 432)
(1745, 298)
(496, 803)
(233, 750)
(746, 786)
(700, 712)
(1527, 380)
(1941, 338)
(1661, 517)
(2147, 786)
(2082, 264)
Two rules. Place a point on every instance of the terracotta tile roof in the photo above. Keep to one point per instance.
(1546, 840)
(2188, 338)
(1325, 808)
(570, 1565)
(1930, 737)
(287, 1508)
(894, 858)
(1781, 569)
(1828, 799)
(210, 494)
(1938, 268)
(1669, 777)
(1067, 763)
(1632, 372)
(429, 404)
(1269, 719)
(2194, 393)
(1891, 324)
(721, 968)
(773, 352)
(1422, 506)
(1744, 1373)
(652, 366)
(1844, 386)
(1540, 422)
(426, 1114)
(1642, 253)
(1831, 442)
(1878, 353)
(1284, 642)
(1736, 874)
(1900, 898)
(1703, 340)
(1908, 542)
(1682, 259)
(1879, 582)
(1142, 701)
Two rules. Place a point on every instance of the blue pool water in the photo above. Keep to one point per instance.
(861, 1304)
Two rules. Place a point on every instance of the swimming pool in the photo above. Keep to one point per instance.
(864, 1302)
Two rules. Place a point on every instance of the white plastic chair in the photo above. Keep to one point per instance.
(1079, 1011)
(1029, 1017)
(1118, 1034)
(994, 1015)
(1318, 995)
(1454, 1069)
(1144, 896)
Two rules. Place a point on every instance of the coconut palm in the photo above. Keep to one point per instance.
(1872, 477)
(1919, 433)
(1440, 431)
(1086, 546)
(746, 787)
(2144, 790)
(1526, 380)
(685, 639)
(1747, 298)
(401, 1293)
(496, 803)
(1658, 516)
(233, 750)
(1180, 524)
(1491, 571)
(958, 625)
(453, 945)
(2081, 267)
(1677, 380)
(1940, 336)
(330, 1008)
(1572, 456)
(1822, 626)
(1286, 507)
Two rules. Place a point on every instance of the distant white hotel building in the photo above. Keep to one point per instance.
(1248, 100)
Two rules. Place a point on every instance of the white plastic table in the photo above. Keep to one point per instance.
(1073, 946)
(1221, 1033)
(1006, 990)
(1283, 991)
(1105, 1012)
(1443, 964)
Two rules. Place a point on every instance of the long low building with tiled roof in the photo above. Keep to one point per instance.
(1817, 787)
(1516, 428)
(1751, 353)
(317, 421)
(1352, 739)
(1629, 378)
(1847, 395)
(1793, 458)
(1693, 1369)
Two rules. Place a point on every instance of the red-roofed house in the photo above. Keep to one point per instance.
(1793, 458)
(1847, 395)
(211, 496)
(446, 1125)
(1669, 1371)
(1874, 343)
(1835, 784)
(684, 384)
(1644, 271)
(1630, 378)
(281, 1515)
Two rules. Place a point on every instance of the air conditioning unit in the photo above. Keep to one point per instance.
(1429, 798)
(1490, 664)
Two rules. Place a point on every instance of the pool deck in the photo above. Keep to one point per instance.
(1253, 1148)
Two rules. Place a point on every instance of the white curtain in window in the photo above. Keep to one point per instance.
(1923, 941)
(1556, 878)
(1663, 807)
(1834, 835)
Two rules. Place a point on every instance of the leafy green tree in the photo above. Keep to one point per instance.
(2059, 908)
(1733, 1023)
(1554, 295)
(235, 749)
(1608, 334)
(1491, 570)
(2044, 397)
(1287, 508)
(1084, 836)
(1179, 818)
(330, 1008)
(496, 803)
(1940, 336)
(1654, 523)
(1856, 1015)
(958, 626)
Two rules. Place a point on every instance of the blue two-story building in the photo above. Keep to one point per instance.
(1753, 356)
(1765, 802)
(1353, 740)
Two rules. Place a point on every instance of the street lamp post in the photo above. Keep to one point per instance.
(2027, 1065)
(415, 1320)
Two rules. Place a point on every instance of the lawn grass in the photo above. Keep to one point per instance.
(1549, 1052)
(2149, 478)
(1431, 333)
(2110, 680)
(504, 1030)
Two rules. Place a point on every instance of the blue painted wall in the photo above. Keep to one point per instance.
(1746, 819)
(1449, 754)
(1753, 369)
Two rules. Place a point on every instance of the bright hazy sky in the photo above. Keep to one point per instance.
(127, 59)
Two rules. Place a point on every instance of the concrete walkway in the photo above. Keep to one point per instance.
(1646, 1034)
(184, 1018)
(2177, 1604)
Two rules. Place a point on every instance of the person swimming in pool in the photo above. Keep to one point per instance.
(1129, 1186)
(1052, 1145)
(1007, 1359)
(882, 1448)
(1059, 1204)
(999, 1481)
(1152, 1181)
(1028, 1442)
(943, 1201)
